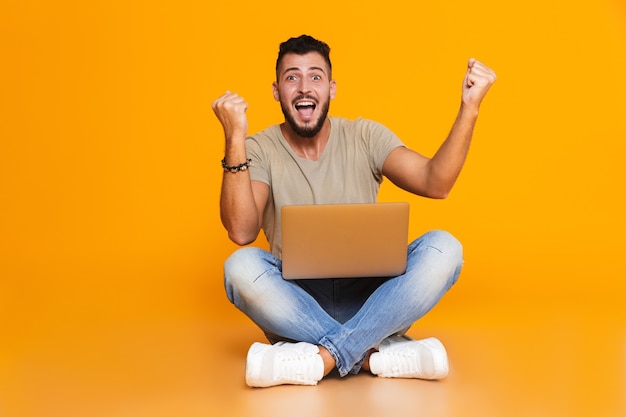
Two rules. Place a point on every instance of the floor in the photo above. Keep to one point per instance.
(556, 361)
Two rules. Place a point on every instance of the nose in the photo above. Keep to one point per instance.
(303, 86)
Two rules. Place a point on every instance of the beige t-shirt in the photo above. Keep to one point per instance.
(348, 171)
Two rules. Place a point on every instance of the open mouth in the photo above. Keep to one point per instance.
(305, 107)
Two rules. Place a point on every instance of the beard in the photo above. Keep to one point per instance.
(308, 130)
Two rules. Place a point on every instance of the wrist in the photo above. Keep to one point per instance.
(238, 167)
(235, 138)
(468, 110)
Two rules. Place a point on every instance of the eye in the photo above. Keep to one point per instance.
(316, 78)
(291, 78)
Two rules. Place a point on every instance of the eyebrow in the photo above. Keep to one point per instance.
(308, 69)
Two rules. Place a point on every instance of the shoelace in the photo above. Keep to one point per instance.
(402, 361)
(294, 366)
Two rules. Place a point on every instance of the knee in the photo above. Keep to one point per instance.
(240, 263)
(439, 251)
(239, 260)
(236, 270)
(244, 266)
(445, 243)
(452, 254)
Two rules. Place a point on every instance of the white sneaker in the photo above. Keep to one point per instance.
(283, 363)
(403, 357)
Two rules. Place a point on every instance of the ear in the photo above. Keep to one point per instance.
(275, 91)
(333, 89)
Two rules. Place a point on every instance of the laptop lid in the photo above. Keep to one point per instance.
(344, 240)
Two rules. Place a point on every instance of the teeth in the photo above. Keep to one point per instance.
(305, 103)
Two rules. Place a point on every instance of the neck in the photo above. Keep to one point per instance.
(309, 148)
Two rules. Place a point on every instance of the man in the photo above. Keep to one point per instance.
(316, 326)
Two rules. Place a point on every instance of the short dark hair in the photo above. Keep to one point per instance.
(302, 45)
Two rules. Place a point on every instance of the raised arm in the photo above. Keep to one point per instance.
(242, 201)
(434, 177)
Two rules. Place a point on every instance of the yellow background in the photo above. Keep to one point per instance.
(110, 154)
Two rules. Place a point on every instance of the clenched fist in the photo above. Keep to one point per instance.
(230, 109)
(477, 81)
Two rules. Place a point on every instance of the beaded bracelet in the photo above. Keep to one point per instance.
(236, 168)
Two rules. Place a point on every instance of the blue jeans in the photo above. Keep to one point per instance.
(347, 317)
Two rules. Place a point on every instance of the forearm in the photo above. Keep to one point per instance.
(445, 166)
(238, 210)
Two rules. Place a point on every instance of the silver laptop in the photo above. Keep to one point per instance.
(344, 240)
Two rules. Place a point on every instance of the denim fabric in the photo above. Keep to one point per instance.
(346, 316)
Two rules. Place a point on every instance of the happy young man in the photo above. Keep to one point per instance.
(315, 326)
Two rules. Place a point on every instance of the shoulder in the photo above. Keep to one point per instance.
(359, 126)
(345, 123)
(270, 134)
(363, 130)
(265, 141)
